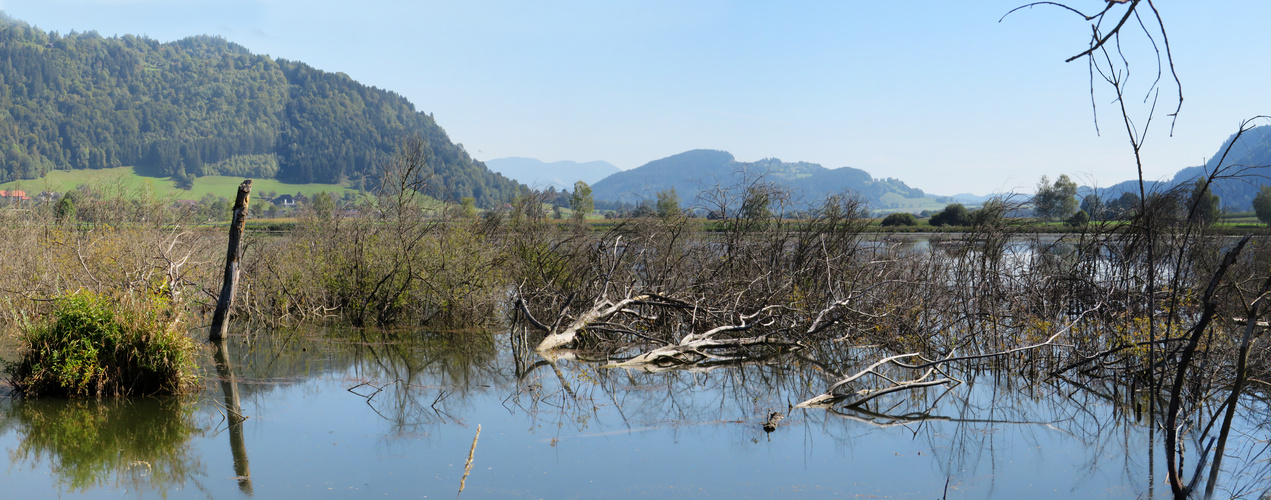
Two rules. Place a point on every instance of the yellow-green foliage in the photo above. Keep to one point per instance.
(95, 346)
(46, 261)
(466, 276)
(420, 268)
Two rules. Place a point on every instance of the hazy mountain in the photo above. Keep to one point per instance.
(1131, 186)
(204, 106)
(970, 199)
(560, 174)
(691, 172)
(1249, 161)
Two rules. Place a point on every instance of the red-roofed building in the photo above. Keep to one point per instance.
(14, 195)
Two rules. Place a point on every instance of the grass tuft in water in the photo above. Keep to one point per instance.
(95, 346)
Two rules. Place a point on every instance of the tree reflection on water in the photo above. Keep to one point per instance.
(112, 443)
(434, 388)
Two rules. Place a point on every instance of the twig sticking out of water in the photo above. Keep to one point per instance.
(467, 468)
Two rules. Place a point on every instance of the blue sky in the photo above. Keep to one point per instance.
(938, 94)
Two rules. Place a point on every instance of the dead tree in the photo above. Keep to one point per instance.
(230, 285)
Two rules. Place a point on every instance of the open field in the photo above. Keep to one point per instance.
(66, 180)
(892, 202)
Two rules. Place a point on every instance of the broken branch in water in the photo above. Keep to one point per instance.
(467, 468)
(831, 397)
(603, 309)
(692, 350)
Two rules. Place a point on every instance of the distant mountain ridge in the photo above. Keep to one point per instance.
(561, 175)
(691, 171)
(1249, 160)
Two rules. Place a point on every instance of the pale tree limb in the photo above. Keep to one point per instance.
(695, 350)
(563, 338)
(695, 347)
(830, 397)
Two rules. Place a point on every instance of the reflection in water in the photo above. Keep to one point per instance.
(234, 416)
(375, 414)
(971, 430)
(121, 443)
(416, 381)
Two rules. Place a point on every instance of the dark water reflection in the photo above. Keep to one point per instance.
(84, 446)
(360, 415)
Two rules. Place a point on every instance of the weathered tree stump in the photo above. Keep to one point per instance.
(230, 285)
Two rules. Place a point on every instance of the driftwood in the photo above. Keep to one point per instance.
(693, 346)
(690, 349)
(832, 397)
(564, 338)
(774, 419)
(696, 348)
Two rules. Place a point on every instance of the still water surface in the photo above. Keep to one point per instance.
(353, 416)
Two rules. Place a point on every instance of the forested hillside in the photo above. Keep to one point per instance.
(692, 171)
(204, 106)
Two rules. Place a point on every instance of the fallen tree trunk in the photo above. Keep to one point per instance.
(695, 349)
(567, 336)
(830, 398)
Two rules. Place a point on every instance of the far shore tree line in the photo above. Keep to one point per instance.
(1055, 201)
(1058, 201)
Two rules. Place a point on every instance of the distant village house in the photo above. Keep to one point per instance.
(13, 196)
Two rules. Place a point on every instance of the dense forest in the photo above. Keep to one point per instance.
(204, 106)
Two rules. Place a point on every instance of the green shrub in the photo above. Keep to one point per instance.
(1078, 219)
(954, 214)
(900, 219)
(98, 347)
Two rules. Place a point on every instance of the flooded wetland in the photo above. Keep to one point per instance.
(410, 351)
(417, 325)
(357, 414)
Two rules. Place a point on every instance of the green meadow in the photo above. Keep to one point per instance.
(216, 185)
(894, 202)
